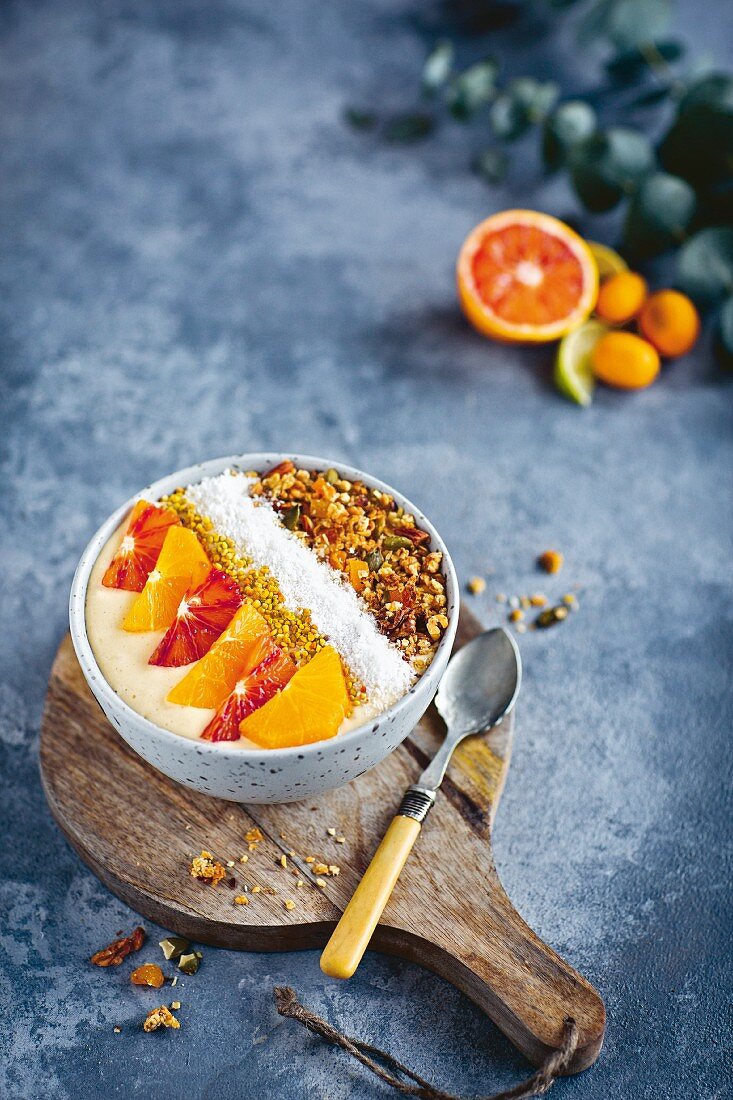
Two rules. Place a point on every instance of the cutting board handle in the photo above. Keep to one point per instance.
(517, 980)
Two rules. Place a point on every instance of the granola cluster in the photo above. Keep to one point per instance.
(364, 534)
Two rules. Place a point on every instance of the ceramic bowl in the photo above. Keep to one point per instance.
(252, 774)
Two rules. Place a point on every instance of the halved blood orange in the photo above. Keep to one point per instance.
(526, 277)
(182, 562)
(203, 613)
(251, 692)
(244, 643)
(141, 543)
(311, 707)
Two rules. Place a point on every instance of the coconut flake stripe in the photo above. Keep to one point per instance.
(305, 582)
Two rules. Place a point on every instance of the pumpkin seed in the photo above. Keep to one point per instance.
(374, 560)
(397, 542)
(291, 519)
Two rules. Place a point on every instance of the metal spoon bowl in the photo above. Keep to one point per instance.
(478, 689)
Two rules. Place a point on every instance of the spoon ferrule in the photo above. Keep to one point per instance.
(417, 802)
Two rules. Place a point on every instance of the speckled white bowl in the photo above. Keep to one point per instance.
(250, 774)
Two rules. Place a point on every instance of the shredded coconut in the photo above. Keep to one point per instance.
(305, 582)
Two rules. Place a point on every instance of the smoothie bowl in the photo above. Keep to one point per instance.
(264, 627)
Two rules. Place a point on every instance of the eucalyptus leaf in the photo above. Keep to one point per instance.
(725, 329)
(650, 98)
(658, 216)
(699, 144)
(523, 102)
(437, 67)
(628, 65)
(473, 88)
(569, 124)
(360, 119)
(625, 23)
(609, 165)
(705, 265)
(409, 126)
(492, 164)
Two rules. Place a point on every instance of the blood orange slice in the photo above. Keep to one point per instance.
(251, 692)
(141, 543)
(311, 707)
(182, 562)
(244, 643)
(525, 277)
(203, 613)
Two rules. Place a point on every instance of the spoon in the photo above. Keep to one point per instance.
(478, 689)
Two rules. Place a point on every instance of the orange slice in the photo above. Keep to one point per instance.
(249, 693)
(244, 643)
(311, 707)
(202, 616)
(138, 552)
(525, 277)
(182, 562)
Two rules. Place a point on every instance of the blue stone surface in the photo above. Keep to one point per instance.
(198, 258)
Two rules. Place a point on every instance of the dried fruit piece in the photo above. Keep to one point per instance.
(208, 869)
(311, 707)
(244, 643)
(140, 547)
(114, 953)
(160, 1017)
(148, 974)
(358, 572)
(250, 693)
(174, 946)
(203, 613)
(182, 562)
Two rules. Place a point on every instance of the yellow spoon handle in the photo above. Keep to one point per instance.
(343, 952)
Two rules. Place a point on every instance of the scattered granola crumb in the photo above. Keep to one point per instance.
(521, 628)
(538, 600)
(569, 599)
(321, 868)
(289, 904)
(300, 882)
(175, 980)
(175, 1005)
(310, 859)
(476, 586)
(551, 561)
(241, 899)
(283, 861)
(117, 1030)
(320, 882)
(230, 863)
(254, 835)
(331, 832)
(340, 839)
(552, 615)
(207, 869)
(500, 597)
(516, 615)
(160, 1017)
(334, 869)
(244, 859)
(256, 889)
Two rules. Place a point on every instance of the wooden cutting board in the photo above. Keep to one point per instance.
(138, 831)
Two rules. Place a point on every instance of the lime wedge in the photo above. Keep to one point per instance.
(573, 371)
(608, 262)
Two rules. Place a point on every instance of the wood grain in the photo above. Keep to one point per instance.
(138, 830)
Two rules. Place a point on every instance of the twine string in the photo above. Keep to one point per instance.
(390, 1070)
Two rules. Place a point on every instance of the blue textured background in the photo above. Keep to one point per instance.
(199, 257)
